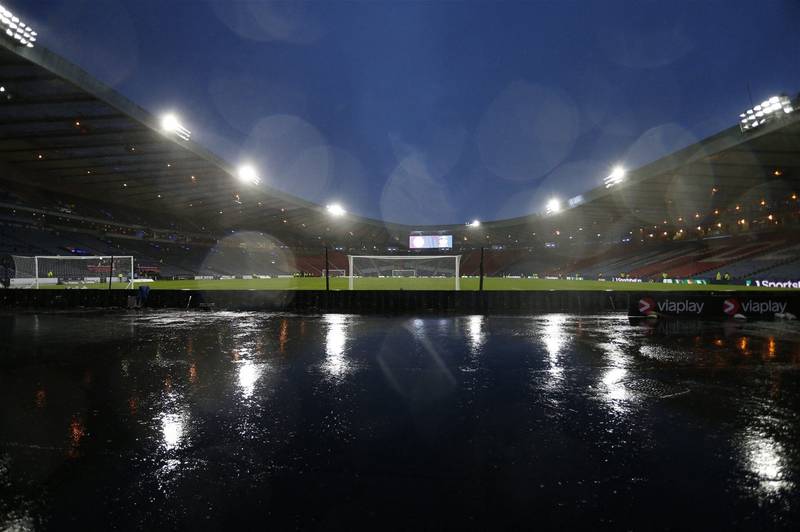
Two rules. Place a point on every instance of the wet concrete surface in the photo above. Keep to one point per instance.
(188, 420)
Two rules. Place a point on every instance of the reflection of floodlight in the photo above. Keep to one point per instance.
(14, 28)
(247, 173)
(335, 209)
(767, 111)
(474, 223)
(617, 176)
(171, 124)
(553, 206)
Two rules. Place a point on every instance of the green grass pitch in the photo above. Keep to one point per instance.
(490, 283)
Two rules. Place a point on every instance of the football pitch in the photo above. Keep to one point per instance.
(419, 283)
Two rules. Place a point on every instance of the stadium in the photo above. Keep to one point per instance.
(87, 173)
(119, 232)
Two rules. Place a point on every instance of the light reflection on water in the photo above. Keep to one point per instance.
(475, 333)
(765, 459)
(17, 523)
(249, 373)
(77, 431)
(554, 336)
(175, 435)
(613, 379)
(336, 364)
(172, 429)
(616, 394)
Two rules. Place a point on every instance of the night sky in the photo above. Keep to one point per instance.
(435, 112)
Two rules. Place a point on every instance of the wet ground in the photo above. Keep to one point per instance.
(180, 420)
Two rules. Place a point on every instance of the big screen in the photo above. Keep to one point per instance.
(430, 241)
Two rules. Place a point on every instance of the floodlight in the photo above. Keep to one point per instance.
(553, 206)
(247, 174)
(17, 30)
(617, 176)
(335, 209)
(474, 223)
(171, 124)
(770, 109)
(575, 201)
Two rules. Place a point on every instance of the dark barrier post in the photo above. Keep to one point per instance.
(327, 271)
(110, 274)
(480, 281)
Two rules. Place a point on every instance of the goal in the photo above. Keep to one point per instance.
(32, 272)
(420, 272)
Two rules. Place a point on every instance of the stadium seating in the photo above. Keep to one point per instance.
(35, 222)
(789, 270)
(778, 263)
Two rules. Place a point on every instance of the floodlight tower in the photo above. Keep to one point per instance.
(171, 124)
(247, 173)
(769, 110)
(15, 29)
(335, 209)
(617, 176)
(553, 206)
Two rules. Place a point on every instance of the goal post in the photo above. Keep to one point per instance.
(32, 272)
(405, 271)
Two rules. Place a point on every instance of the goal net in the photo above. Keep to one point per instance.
(413, 272)
(32, 272)
(335, 273)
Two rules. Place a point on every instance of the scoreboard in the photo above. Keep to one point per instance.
(430, 241)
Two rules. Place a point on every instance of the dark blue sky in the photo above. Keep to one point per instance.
(435, 112)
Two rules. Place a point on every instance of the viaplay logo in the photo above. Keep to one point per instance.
(731, 306)
(647, 305)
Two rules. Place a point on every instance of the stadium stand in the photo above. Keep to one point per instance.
(43, 228)
(778, 263)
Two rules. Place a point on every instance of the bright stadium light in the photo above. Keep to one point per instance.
(335, 209)
(553, 206)
(617, 176)
(15, 29)
(170, 123)
(771, 109)
(247, 174)
(474, 223)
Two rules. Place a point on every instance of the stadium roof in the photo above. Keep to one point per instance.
(728, 168)
(62, 130)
